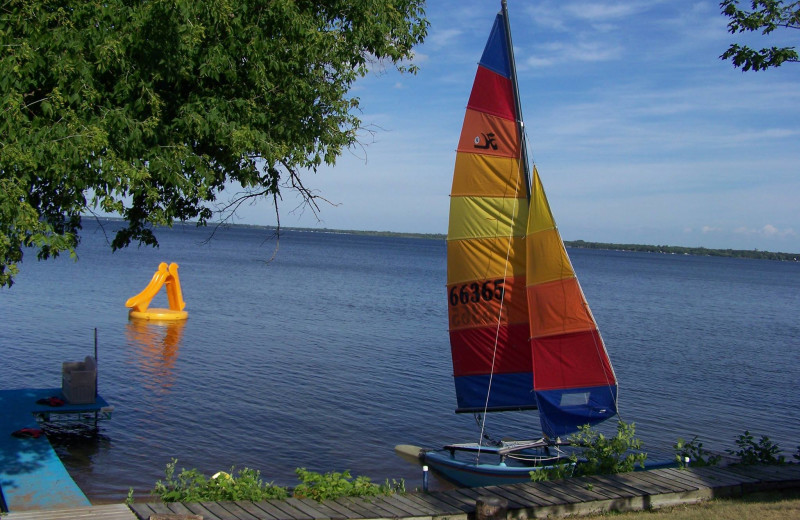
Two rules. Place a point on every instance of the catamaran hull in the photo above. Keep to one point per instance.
(470, 474)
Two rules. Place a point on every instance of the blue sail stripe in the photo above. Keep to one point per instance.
(495, 54)
(512, 391)
(563, 411)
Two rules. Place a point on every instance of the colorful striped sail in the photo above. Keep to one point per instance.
(488, 312)
(521, 333)
(574, 381)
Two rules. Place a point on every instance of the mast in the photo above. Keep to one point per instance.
(515, 88)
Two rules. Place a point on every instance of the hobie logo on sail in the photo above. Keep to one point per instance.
(488, 139)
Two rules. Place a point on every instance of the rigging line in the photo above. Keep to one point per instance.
(515, 172)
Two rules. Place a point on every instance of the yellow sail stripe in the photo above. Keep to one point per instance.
(487, 176)
(540, 217)
(486, 217)
(546, 252)
(485, 259)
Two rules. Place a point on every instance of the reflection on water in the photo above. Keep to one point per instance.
(77, 445)
(158, 343)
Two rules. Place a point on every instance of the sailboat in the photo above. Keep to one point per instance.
(522, 336)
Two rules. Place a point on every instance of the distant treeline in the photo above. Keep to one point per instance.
(678, 250)
(674, 250)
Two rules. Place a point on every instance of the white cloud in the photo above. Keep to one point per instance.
(768, 231)
(443, 38)
(601, 11)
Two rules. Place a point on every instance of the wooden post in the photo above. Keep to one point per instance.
(491, 508)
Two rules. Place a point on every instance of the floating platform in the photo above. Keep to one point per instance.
(32, 476)
(140, 304)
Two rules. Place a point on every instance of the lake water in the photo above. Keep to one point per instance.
(337, 350)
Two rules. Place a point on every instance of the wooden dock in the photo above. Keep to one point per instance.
(636, 491)
(640, 490)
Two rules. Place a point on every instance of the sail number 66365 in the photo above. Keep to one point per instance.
(474, 292)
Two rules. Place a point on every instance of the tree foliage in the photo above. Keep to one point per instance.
(766, 16)
(149, 109)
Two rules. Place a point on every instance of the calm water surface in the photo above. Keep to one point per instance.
(337, 350)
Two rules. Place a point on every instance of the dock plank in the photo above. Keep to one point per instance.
(669, 485)
(410, 507)
(101, 512)
(218, 510)
(767, 473)
(141, 510)
(543, 493)
(557, 490)
(339, 508)
(721, 476)
(611, 490)
(322, 508)
(197, 508)
(495, 491)
(237, 511)
(362, 508)
(629, 479)
(616, 484)
(386, 507)
(528, 491)
(256, 511)
(160, 508)
(515, 500)
(287, 512)
(442, 507)
(381, 507)
(177, 508)
(306, 508)
(460, 502)
(685, 476)
(580, 490)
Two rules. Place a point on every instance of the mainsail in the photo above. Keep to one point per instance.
(488, 312)
(521, 333)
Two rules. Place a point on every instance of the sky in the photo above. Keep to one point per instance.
(640, 132)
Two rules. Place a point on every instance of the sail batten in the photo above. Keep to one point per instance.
(521, 332)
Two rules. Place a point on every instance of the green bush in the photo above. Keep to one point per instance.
(554, 472)
(597, 454)
(762, 452)
(193, 486)
(601, 455)
(695, 453)
(321, 487)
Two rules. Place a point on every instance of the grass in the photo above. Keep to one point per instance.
(757, 506)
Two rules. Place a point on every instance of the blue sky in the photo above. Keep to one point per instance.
(641, 134)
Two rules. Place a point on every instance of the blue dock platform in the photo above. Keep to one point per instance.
(32, 476)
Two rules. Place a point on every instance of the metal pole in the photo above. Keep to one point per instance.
(95, 362)
(520, 123)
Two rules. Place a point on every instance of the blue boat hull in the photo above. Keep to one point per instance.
(471, 474)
